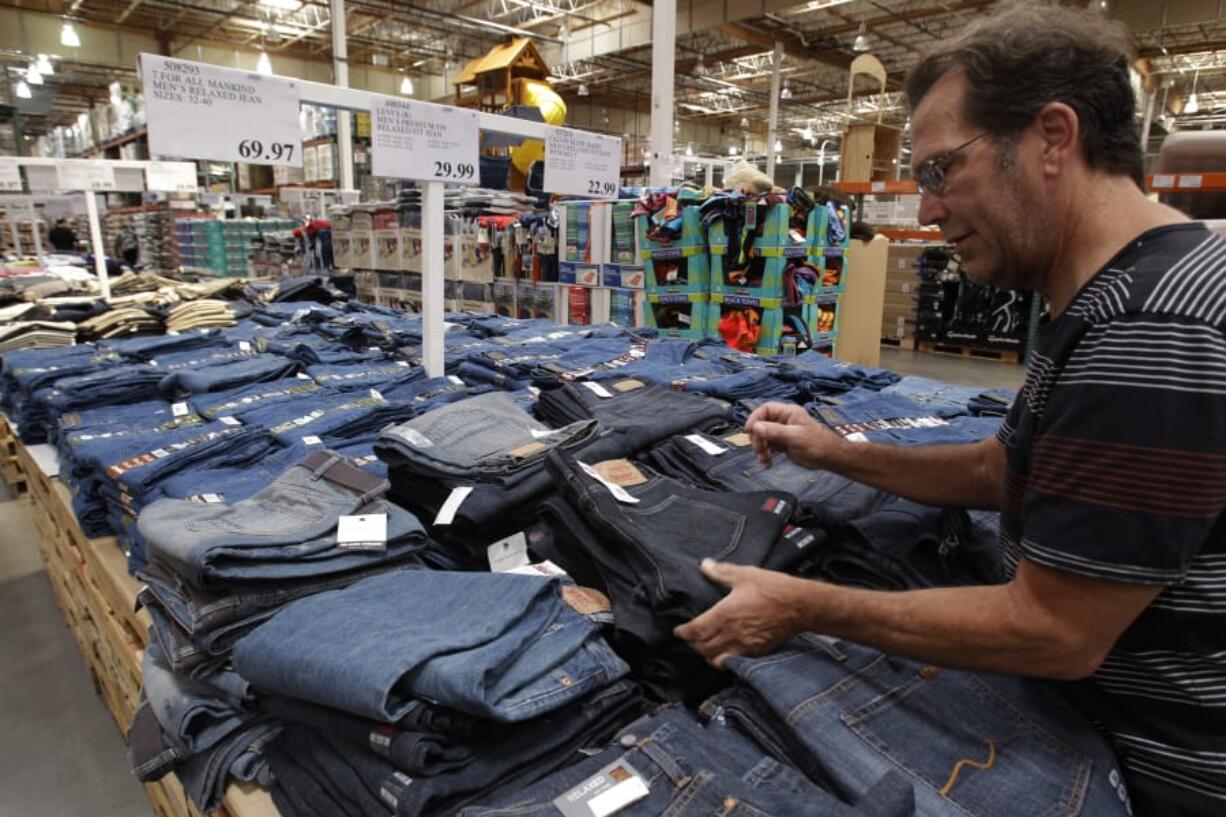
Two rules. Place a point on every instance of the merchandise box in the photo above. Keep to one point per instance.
(410, 249)
(504, 293)
(574, 274)
(691, 241)
(622, 276)
(469, 259)
(833, 274)
(387, 239)
(963, 337)
(677, 315)
(760, 325)
(623, 238)
(757, 277)
(539, 301)
(825, 318)
(325, 159)
(899, 328)
(310, 164)
(679, 275)
(578, 303)
(900, 300)
(362, 231)
(817, 231)
(584, 231)
(1014, 342)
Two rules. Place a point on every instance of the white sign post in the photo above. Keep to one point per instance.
(205, 112)
(579, 163)
(10, 175)
(425, 142)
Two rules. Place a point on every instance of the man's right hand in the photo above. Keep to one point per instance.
(789, 428)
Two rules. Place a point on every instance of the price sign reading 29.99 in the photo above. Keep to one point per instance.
(417, 140)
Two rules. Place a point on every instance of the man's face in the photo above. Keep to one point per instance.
(991, 212)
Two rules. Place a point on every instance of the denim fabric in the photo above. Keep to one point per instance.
(941, 399)
(750, 384)
(822, 375)
(345, 415)
(380, 375)
(429, 394)
(288, 530)
(893, 419)
(116, 384)
(146, 349)
(205, 775)
(641, 415)
(199, 358)
(226, 376)
(499, 646)
(689, 771)
(972, 743)
(168, 453)
(475, 372)
(240, 401)
(506, 763)
(150, 754)
(193, 715)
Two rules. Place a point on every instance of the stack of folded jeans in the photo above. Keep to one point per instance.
(821, 375)
(238, 402)
(484, 455)
(640, 537)
(226, 375)
(378, 374)
(115, 385)
(329, 416)
(669, 764)
(27, 372)
(219, 571)
(416, 692)
(971, 743)
(890, 417)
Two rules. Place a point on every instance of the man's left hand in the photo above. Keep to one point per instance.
(763, 610)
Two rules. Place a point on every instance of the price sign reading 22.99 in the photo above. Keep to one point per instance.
(417, 140)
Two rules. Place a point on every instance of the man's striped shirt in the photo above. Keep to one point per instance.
(1116, 451)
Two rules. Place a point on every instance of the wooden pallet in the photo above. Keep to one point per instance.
(96, 596)
(971, 352)
(899, 343)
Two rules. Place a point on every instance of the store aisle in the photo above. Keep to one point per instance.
(60, 753)
(963, 371)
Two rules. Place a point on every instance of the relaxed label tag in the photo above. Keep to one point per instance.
(528, 450)
(365, 532)
(629, 385)
(619, 493)
(508, 554)
(545, 568)
(596, 389)
(620, 472)
(706, 445)
(604, 793)
(858, 437)
(414, 437)
(244, 346)
(446, 514)
(179, 409)
(302, 376)
(455, 380)
(375, 394)
(207, 499)
(740, 439)
(311, 439)
(586, 601)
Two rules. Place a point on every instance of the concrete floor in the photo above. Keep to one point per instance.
(60, 753)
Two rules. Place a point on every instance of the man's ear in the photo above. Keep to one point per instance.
(1059, 130)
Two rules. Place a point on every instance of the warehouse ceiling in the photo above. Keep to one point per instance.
(600, 50)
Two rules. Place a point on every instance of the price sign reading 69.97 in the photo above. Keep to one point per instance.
(253, 150)
(418, 140)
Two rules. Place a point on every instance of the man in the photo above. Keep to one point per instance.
(62, 237)
(1110, 470)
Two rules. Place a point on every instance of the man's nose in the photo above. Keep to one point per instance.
(932, 209)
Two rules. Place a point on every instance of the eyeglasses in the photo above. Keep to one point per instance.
(930, 176)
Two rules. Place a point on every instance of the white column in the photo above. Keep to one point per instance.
(95, 243)
(16, 232)
(663, 69)
(710, 175)
(340, 67)
(772, 127)
(38, 239)
(432, 239)
(1148, 121)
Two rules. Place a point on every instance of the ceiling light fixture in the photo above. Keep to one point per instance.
(583, 89)
(263, 65)
(861, 44)
(1193, 105)
(732, 150)
(689, 149)
(406, 86)
(744, 121)
(68, 36)
(22, 90)
(786, 93)
(44, 65)
(807, 133)
(282, 5)
(32, 75)
(778, 145)
(700, 67)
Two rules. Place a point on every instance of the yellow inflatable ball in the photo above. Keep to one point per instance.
(553, 109)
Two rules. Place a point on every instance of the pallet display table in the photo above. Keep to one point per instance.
(98, 600)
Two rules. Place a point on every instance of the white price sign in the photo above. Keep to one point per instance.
(19, 208)
(205, 112)
(579, 163)
(171, 177)
(431, 143)
(83, 174)
(10, 175)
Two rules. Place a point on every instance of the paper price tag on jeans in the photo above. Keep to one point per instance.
(857, 437)
(446, 514)
(508, 554)
(596, 389)
(706, 445)
(311, 439)
(178, 409)
(366, 531)
(230, 421)
(619, 493)
(607, 792)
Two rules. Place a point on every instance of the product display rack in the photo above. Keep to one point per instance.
(98, 600)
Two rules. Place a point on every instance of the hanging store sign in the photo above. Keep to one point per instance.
(425, 142)
(84, 174)
(201, 111)
(10, 175)
(171, 177)
(579, 163)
